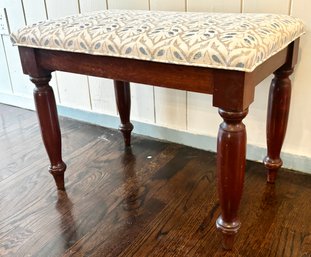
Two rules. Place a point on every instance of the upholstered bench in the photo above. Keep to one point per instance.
(225, 55)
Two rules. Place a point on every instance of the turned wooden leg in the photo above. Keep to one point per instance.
(278, 109)
(123, 99)
(48, 119)
(231, 154)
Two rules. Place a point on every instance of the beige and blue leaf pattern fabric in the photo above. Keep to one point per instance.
(216, 40)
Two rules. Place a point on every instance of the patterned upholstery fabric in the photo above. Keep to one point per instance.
(217, 40)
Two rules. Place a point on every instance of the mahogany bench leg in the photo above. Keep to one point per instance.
(48, 120)
(278, 110)
(231, 158)
(123, 99)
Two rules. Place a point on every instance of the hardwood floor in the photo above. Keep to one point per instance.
(155, 199)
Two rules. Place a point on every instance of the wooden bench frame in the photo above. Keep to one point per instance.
(233, 92)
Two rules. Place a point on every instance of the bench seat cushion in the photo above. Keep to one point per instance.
(216, 40)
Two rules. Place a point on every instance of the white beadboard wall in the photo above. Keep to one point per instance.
(175, 115)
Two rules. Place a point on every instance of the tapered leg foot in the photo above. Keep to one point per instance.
(228, 230)
(231, 154)
(272, 166)
(277, 117)
(123, 100)
(126, 130)
(58, 173)
(50, 131)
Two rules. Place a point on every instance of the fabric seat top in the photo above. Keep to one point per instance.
(217, 40)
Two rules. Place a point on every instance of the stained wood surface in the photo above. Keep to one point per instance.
(158, 199)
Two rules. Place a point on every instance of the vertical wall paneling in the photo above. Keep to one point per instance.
(128, 4)
(255, 121)
(142, 108)
(214, 6)
(5, 82)
(20, 83)
(15, 13)
(59, 8)
(73, 89)
(170, 105)
(102, 95)
(202, 117)
(34, 11)
(164, 5)
(92, 5)
(267, 6)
